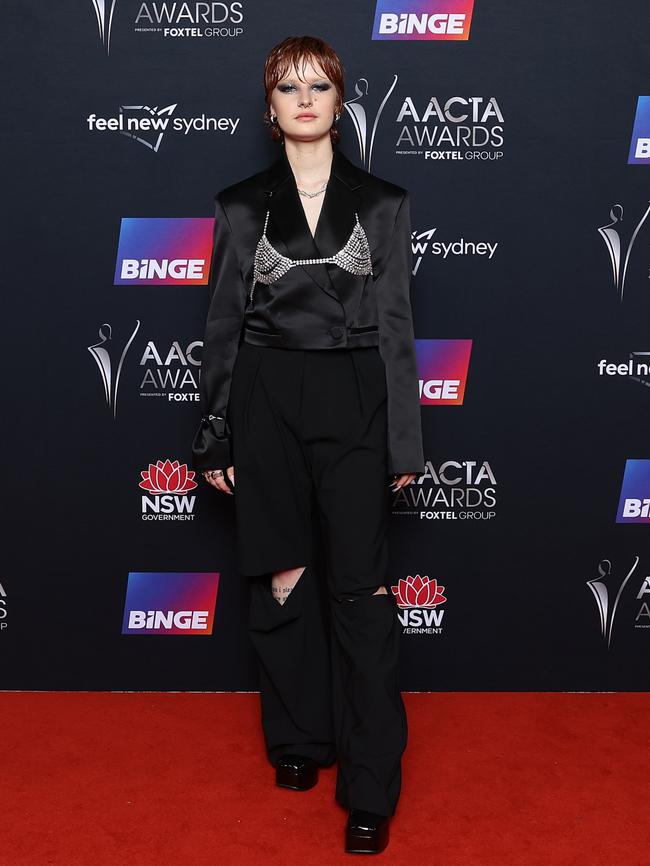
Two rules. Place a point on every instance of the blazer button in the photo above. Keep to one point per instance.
(336, 332)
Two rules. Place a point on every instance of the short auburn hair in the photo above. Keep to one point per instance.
(298, 51)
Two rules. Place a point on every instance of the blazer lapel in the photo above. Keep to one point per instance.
(288, 223)
(336, 220)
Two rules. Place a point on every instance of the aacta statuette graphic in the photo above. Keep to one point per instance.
(105, 354)
(360, 120)
(604, 587)
(105, 20)
(612, 239)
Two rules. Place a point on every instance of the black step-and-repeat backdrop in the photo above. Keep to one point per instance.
(521, 129)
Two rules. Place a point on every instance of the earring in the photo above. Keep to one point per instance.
(337, 116)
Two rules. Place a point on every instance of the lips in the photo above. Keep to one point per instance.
(305, 117)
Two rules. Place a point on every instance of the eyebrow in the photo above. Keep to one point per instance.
(293, 80)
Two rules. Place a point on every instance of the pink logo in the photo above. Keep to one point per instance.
(168, 477)
(418, 592)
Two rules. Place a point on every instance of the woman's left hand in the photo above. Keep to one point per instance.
(400, 481)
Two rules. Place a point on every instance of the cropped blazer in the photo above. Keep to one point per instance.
(311, 306)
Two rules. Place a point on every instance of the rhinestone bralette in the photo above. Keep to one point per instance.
(270, 265)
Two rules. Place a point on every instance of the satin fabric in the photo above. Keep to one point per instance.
(316, 306)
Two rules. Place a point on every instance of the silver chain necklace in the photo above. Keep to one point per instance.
(312, 194)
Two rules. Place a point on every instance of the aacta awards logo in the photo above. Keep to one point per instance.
(174, 20)
(109, 357)
(419, 598)
(104, 12)
(451, 490)
(3, 608)
(170, 602)
(607, 590)
(619, 242)
(442, 128)
(168, 485)
(171, 370)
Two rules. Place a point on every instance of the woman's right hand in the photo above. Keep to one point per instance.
(215, 477)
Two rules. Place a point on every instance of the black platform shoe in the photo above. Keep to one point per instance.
(366, 833)
(296, 772)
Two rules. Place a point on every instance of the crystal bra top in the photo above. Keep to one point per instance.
(269, 265)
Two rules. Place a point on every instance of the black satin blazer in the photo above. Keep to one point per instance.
(315, 306)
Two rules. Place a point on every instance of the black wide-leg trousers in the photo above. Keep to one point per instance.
(309, 435)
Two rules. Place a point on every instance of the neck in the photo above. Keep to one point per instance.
(310, 161)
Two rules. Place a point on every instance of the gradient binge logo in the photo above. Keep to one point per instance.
(423, 19)
(640, 144)
(170, 602)
(164, 251)
(442, 370)
(634, 503)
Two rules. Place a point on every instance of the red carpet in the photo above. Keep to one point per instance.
(97, 778)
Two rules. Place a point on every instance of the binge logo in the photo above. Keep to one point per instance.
(164, 251)
(442, 367)
(170, 602)
(423, 19)
(634, 504)
(640, 144)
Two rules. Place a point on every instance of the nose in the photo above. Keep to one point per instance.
(305, 101)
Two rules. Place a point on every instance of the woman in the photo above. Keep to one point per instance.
(309, 389)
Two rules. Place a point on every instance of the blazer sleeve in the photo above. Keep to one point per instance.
(397, 348)
(211, 447)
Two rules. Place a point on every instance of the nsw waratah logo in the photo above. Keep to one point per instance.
(164, 251)
(443, 366)
(168, 484)
(418, 592)
(634, 503)
(418, 597)
(423, 19)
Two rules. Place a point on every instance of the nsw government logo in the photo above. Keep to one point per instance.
(168, 485)
(419, 599)
(423, 19)
(170, 602)
(634, 502)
